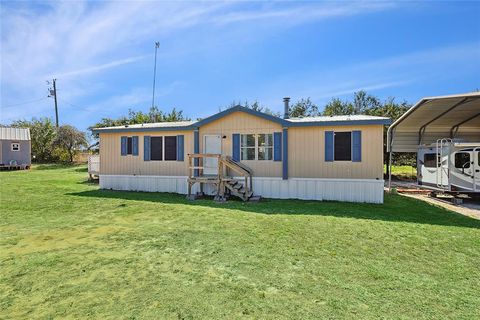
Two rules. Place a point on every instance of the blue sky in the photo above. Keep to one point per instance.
(213, 53)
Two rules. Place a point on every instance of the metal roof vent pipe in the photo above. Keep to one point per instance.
(286, 111)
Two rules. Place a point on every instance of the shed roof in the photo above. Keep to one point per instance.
(9, 133)
(432, 118)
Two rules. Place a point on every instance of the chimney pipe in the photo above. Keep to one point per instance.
(286, 111)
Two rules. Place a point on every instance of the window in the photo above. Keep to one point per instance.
(129, 145)
(429, 160)
(265, 147)
(256, 146)
(343, 146)
(15, 146)
(156, 147)
(462, 160)
(171, 148)
(247, 147)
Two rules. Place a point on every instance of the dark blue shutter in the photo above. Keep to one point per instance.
(146, 148)
(123, 149)
(277, 146)
(135, 145)
(328, 146)
(180, 148)
(236, 147)
(357, 146)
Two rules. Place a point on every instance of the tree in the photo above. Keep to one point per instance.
(70, 139)
(174, 115)
(304, 108)
(42, 135)
(137, 117)
(362, 104)
(254, 106)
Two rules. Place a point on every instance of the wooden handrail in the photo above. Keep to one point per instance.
(223, 162)
(237, 168)
(204, 155)
(239, 164)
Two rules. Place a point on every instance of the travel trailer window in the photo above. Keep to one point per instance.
(156, 147)
(15, 146)
(265, 146)
(129, 145)
(247, 147)
(342, 146)
(429, 160)
(462, 160)
(171, 148)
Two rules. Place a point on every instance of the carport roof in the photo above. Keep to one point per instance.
(432, 118)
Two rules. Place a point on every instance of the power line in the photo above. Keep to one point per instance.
(22, 103)
(72, 105)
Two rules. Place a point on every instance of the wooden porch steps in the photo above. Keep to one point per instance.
(224, 182)
(237, 189)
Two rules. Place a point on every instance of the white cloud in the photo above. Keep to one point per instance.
(304, 13)
(79, 41)
(391, 72)
(98, 68)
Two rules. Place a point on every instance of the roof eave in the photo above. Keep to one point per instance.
(339, 123)
(142, 129)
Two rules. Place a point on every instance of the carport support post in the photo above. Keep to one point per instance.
(389, 169)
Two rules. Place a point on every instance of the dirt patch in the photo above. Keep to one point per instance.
(60, 239)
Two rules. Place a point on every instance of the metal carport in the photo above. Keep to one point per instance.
(454, 116)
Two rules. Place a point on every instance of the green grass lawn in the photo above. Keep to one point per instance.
(70, 250)
(403, 172)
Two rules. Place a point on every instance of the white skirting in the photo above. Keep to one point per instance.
(350, 190)
(175, 184)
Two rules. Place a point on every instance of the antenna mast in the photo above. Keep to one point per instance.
(157, 45)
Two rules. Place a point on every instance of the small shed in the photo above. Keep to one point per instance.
(15, 148)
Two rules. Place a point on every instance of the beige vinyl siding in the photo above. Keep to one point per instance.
(113, 163)
(306, 149)
(244, 123)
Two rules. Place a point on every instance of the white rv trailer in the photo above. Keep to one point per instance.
(444, 131)
(450, 166)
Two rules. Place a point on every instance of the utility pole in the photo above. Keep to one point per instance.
(157, 45)
(53, 93)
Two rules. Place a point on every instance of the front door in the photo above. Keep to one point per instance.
(463, 173)
(211, 144)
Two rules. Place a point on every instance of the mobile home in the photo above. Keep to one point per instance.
(318, 158)
(15, 148)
